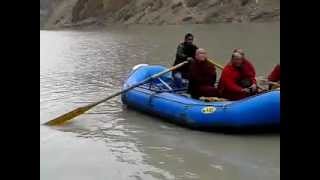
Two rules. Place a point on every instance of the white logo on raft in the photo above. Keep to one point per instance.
(208, 110)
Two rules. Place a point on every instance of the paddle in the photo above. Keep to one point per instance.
(216, 64)
(72, 114)
(263, 80)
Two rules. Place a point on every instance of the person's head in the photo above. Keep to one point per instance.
(188, 38)
(201, 55)
(237, 59)
(239, 51)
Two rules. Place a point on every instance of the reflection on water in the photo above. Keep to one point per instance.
(112, 142)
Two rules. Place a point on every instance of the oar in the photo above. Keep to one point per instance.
(221, 67)
(72, 114)
(216, 64)
(263, 80)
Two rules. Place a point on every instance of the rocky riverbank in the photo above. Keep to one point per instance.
(55, 14)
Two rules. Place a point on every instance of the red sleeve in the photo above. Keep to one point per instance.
(275, 74)
(250, 71)
(228, 79)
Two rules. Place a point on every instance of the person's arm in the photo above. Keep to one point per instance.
(232, 86)
(251, 72)
(213, 74)
(275, 74)
(195, 50)
(230, 83)
(180, 55)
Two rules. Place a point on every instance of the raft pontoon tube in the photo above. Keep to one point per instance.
(161, 98)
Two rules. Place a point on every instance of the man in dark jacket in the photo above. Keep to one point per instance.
(185, 52)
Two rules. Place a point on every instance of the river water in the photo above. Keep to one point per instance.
(112, 142)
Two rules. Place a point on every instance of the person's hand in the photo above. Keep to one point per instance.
(253, 87)
(246, 90)
(185, 81)
(177, 75)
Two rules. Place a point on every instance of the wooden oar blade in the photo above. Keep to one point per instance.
(68, 116)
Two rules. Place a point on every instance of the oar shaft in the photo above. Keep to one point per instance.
(266, 81)
(273, 83)
(76, 112)
(216, 64)
(141, 83)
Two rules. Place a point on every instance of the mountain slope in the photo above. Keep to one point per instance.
(72, 13)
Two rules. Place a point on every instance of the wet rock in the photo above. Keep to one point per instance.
(188, 18)
(192, 3)
(179, 4)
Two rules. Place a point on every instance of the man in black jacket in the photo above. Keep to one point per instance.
(185, 52)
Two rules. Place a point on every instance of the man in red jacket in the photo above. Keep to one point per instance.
(274, 76)
(238, 78)
(202, 76)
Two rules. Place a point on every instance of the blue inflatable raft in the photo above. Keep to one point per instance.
(161, 98)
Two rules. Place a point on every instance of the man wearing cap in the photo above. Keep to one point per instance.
(185, 51)
(238, 78)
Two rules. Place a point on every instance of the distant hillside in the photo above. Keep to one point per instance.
(84, 13)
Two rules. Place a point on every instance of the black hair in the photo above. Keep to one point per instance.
(188, 35)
